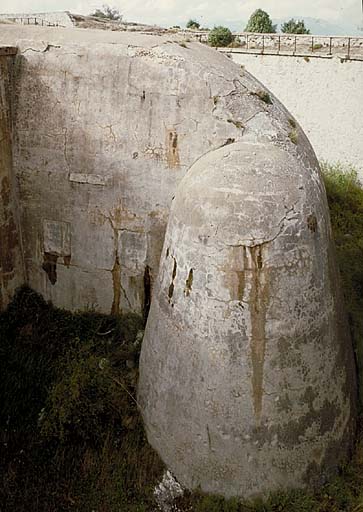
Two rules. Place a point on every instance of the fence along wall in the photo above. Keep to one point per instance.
(325, 96)
(48, 18)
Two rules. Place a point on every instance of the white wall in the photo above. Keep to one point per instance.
(325, 96)
(62, 17)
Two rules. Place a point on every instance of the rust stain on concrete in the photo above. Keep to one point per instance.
(67, 260)
(116, 281)
(258, 302)
(172, 152)
(189, 283)
(50, 266)
(235, 273)
(171, 287)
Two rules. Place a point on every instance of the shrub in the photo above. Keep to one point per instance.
(107, 13)
(193, 24)
(294, 27)
(260, 22)
(220, 37)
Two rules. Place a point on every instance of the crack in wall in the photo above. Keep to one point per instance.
(46, 49)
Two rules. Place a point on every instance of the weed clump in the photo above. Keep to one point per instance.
(293, 136)
(70, 425)
(264, 96)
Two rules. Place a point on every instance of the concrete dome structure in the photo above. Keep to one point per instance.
(247, 376)
(247, 380)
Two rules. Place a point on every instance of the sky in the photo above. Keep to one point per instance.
(207, 12)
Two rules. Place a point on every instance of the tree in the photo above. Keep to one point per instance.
(220, 36)
(107, 13)
(260, 22)
(294, 27)
(194, 25)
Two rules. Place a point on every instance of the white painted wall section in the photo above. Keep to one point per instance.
(325, 96)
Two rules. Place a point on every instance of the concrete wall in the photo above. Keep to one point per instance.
(107, 124)
(325, 96)
(60, 18)
(11, 264)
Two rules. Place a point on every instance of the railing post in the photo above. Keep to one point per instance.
(263, 44)
(348, 47)
(295, 45)
(247, 41)
(330, 45)
(312, 45)
(279, 46)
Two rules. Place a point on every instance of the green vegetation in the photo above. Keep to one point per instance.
(345, 197)
(293, 136)
(220, 37)
(193, 24)
(107, 13)
(294, 27)
(237, 124)
(263, 95)
(71, 438)
(260, 22)
(292, 122)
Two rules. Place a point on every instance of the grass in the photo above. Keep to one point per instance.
(264, 96)
(345, 198)
(71, 437)
(237, 124)
(293, 136)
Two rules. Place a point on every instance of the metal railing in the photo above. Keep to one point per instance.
(34, 21)
(349, 47)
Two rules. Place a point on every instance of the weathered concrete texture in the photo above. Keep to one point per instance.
(247, 377)
(11, 267)
(325, 96)
(107, 125)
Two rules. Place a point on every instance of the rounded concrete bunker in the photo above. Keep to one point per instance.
(247, 375)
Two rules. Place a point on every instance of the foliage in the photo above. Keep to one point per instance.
(345, 197)
(71, 437)
(193, 24)
(220, 37)
(294, 27)
(264, 96)
(107, 13)
(260, 22)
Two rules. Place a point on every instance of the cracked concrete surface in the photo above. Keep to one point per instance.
(247, 379)
(109, 121)
(247, 382)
